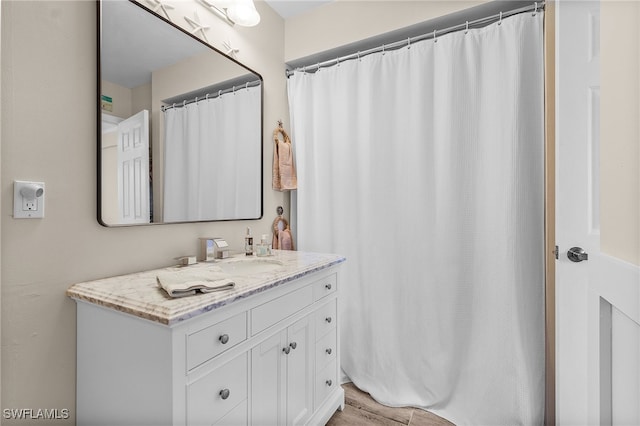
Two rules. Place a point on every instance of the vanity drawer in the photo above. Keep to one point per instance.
(264, 316)
(213, 340)
(326, 350)
(213, 396)
(326, 382)
(325, 319)
(324, 287)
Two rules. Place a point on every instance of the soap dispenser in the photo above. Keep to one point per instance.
(248, 243)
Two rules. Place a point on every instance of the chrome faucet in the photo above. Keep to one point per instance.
(213, 248)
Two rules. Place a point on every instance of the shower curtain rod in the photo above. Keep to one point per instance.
(478, 23)
(210, 95)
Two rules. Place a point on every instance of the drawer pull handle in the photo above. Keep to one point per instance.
(328, 286)
(328, 319)
(329, 382)
(286, 350)
(224, 393)
(224, 339)
(293, 345)
(328, 351)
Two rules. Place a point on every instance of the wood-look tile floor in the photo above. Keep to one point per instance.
(361, 409)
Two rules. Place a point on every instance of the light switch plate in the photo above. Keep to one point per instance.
(27, 209)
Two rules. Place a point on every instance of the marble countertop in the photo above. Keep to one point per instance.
(139, 293)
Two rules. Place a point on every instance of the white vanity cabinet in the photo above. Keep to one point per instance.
(271, 358)
(282, 377)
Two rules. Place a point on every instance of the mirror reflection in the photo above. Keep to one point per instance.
(181, 125)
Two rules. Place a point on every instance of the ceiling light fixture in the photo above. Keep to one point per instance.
(241, 12)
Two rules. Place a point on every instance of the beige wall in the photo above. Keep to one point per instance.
(49, 134)
(620, 130)
(121, 99)
(332, 25)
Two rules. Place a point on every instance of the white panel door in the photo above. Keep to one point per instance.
(133, 169)
(268, 372)
(300, 372)
(597, 299)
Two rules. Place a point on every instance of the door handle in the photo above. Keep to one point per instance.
(577, 254)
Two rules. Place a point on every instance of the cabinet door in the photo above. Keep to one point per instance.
(268, 374)
(300, 372)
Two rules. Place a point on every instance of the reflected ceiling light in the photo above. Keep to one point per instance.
(241, 12)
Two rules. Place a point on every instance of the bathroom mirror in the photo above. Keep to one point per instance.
(179, 124)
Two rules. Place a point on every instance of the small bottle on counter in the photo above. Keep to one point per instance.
(263, 248)
(248, 243)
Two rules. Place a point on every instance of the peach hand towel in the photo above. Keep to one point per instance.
(284, 171)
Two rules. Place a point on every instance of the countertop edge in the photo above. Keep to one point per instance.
(169, 317)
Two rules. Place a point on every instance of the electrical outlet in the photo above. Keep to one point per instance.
(29, 205)
(28, 200)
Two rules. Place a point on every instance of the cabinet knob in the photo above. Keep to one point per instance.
(329, 382)
(224, 393)
(286, 350)
(328, 351)
(328, 286)
(224, 339)
(293, 345)
(328, 319)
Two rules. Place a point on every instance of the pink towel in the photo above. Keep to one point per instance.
(284, 171)
(282, 237)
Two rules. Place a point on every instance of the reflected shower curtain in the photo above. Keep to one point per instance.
(424, 167)
(212, 158)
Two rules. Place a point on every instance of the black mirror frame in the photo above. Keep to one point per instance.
(99, 119)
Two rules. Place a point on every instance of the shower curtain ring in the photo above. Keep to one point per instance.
(383, 52)
(535, 10)
(408, 42)
(466, 28)
(435, 39)
(500, 19)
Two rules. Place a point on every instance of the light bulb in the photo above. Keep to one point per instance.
(243, 12)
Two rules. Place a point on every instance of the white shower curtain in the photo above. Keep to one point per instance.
(212, 158)
(424, 166)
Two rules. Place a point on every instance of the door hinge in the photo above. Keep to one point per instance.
(556, 252)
